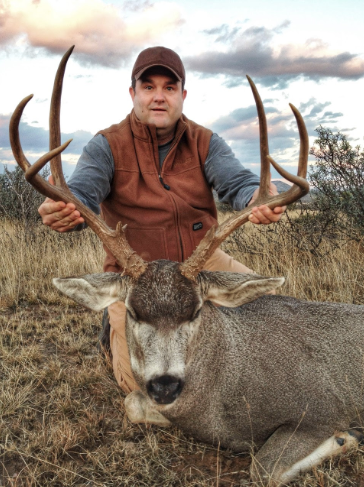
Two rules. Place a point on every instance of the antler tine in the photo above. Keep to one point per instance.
(114, 240)
(14, 134)
(264, 147)
(31, 171)
(216, 235)
(54, 121)
(304, 143)
(299, 182)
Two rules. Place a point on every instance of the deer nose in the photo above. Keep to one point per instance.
(165, 389)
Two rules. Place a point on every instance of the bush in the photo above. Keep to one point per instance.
(300, 227)
(18, 199)
(335, 214)
(338, 181)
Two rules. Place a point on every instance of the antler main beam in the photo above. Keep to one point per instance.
(114, 240)
(216, 235)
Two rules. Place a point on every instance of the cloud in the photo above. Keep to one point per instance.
(237, 117)
(137, 5)
(224, 32)
(254, 51)
(304, 106)
(35, 142)
(315, 114)
(241, 129)
(242, 123)
(318, 107)
(331, 115)
(102, 33)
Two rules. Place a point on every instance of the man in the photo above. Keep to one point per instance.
(154, 172)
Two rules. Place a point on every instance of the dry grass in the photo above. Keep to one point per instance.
(337, 275)
(29, 259)
(62, 419)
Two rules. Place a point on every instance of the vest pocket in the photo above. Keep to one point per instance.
(149, 243)
(199, 228)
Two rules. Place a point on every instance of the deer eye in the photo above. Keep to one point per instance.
(131, 312)
(196, 314)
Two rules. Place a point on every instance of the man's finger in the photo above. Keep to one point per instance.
(68, 214)
(264, 215)
(50, 217)
(64, 218)
(258, 217)
(66, 226)
(280, 209)
(49, 206)
(268, 215)
(56, 207)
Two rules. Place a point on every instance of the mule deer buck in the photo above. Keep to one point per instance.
(273, 373)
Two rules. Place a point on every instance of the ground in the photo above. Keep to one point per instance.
(62, 420)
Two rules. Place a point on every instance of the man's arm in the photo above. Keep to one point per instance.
(90, 182)
(235, 184)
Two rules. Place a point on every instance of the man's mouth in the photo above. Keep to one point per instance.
(158, 109)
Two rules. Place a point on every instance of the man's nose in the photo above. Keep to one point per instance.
(159, 96)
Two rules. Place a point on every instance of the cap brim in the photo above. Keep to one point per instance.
(139, 73)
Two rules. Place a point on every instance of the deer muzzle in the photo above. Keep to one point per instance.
(165, 389)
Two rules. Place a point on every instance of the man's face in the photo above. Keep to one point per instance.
(158, 100)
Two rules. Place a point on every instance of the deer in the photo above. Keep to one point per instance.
(212, 352)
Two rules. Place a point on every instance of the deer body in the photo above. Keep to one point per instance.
(268, 363)
(274, 373)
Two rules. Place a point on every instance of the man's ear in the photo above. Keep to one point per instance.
(132, 93)
(232, 289)
(95, 291)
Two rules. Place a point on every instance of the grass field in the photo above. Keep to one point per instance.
(62, 420)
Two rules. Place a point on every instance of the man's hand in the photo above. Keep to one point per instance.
(262, 215)
(58, 215)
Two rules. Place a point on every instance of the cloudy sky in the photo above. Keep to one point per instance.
(309, 53)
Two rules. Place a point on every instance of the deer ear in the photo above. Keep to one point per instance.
(95, 291)
(232, 289)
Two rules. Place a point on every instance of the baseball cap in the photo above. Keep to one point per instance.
(158, 56)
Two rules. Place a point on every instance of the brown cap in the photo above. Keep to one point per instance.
(158, 56)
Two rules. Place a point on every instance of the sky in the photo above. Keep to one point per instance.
(309, 53)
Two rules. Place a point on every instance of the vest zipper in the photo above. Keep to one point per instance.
(175, 142)
(163, 183)
(167, 187)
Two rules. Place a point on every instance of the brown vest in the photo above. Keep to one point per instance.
(161, 223)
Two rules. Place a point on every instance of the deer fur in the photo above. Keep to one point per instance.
(273, 374)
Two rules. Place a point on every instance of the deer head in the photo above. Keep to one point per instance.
(166, 312)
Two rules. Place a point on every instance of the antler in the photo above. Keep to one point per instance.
(114, 240)
(216, 235)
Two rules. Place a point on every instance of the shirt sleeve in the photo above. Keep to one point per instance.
(233, 183)
(91, 180)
